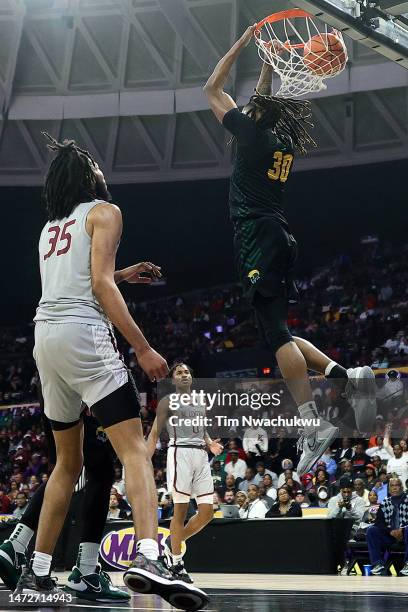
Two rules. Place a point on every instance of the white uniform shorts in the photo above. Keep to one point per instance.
(77, 363)
(189, 475)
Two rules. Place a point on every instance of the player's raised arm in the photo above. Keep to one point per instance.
(264, 85)
(220, 101)
(162, 413)
(104, 225)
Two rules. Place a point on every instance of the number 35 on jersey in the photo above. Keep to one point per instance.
(281, 166)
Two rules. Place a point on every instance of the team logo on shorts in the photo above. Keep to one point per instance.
(254, 276)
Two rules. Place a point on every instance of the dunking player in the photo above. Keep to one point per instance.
(78, 361)
(188, 469)
(268, 133)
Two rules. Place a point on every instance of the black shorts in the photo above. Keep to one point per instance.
(271, 315)
(95, 444)
(265, 254)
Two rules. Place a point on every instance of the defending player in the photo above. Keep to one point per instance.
(78, 361)
(86, 579)
(268, 133)
(188, 469)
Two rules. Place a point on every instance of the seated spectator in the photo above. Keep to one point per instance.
(253, 507)
(345, 452)
(346, 471)
(232, 446)
(321, 497)
(391, 526)
(119, 482)
(269, 488)
(379, 449)
(229, 485)
(370, 477)
(287, 466)
(331, 465)
(217, 473)
(237, 467)
(261, 471)
(229, 498)
(292, 486)
(22, 505)
(322, 479)
(248, 480)
(284, 507)
(361, 491)
(34, 466)
(397, 464)
(114, 511)
(347, 504)
(360, 460)
(378, 464)
(302, 499)
(370, 514)
(240, 498)
(381, 486)
(33, 484)
(217, 501)
(268, 501)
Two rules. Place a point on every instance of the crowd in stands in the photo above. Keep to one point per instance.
(356, 310)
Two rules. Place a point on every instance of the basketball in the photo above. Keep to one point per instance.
(325, 54)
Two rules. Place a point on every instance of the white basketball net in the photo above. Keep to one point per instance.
(281, 44)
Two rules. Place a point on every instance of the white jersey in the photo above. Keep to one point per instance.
(181, 432)
(65, 266)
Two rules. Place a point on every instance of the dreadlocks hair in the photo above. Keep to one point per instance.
(287, 116)
(70, 177)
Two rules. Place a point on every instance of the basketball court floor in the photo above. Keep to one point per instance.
(277, 593)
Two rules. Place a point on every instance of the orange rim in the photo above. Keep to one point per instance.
(290, 14)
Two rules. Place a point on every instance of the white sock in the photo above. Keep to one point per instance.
(149, 548)
(87, 557)
(308, 410)
(41, 563)
(20, 538)
(177, 559)
(329, 367)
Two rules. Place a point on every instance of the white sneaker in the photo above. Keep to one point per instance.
(313, 444)
(360, 392)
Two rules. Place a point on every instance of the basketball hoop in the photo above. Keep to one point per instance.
(300, 51)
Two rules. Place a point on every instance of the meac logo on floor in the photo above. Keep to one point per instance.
(118, 548)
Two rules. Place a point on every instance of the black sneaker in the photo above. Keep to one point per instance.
(30, 583)
(147, 576)
(179, 572)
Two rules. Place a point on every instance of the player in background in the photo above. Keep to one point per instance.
(268, 133)
(78, 361)
(188, 468)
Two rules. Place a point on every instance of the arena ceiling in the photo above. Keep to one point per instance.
(125, 77)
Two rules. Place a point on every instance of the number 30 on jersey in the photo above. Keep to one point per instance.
(281, 167)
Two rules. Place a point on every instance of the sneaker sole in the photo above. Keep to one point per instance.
(323, 445)
(176, 592)
(94, 596)
(7, 574)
